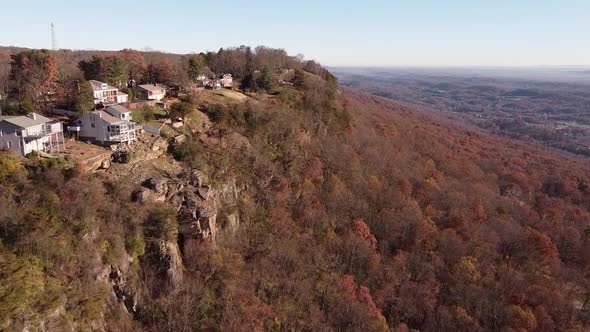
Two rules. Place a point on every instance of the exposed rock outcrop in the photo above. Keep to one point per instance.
(124, 292)
(175, 266)
(198, 179)
(145, 195)
(197, 204)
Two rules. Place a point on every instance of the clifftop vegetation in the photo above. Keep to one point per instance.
(351, 213)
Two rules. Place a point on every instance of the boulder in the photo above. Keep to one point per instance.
(206, 211)
(159, 198)
(179, 139)
(177, 201)
(141, 195)
(187, 215)
(145, 195)
(159, 185)
(105, 164)
(161, 143)
(199, 178)
(191, 201)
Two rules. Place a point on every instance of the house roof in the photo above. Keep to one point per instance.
(152, 87)
(25, 121)
(117, 110)
(106, 117)
(97, 86)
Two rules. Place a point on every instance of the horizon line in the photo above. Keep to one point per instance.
(388, 66)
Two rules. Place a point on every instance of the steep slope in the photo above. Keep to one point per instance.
(391, 217)
(346, 212)
(482, 232)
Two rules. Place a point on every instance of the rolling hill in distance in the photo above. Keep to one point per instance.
(547, 105)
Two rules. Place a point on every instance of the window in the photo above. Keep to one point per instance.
(1, 133)
(8, 144)
(20, 144)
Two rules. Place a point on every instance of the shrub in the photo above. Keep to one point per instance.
(135, 244)
(161, 224)
(10, 167)
(191, 152)
(21, 283)
(181, 109)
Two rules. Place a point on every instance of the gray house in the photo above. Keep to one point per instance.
(108, 127)
(33, 132)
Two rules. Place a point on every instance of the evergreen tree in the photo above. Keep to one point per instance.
(299, 79)
(249, 83)
(266, 79)
(194, 69)
(91, 68)
(116, 71)
(84, 100)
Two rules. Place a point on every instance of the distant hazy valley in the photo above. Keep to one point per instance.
(546, 104)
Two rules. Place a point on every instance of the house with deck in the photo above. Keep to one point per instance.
(32, 132)
(110, 126)
(106, 94)
(152, 91)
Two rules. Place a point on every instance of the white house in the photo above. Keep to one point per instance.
(106, 94)
(227, 81)
(111, 126)
(152, 91)
(33, 132)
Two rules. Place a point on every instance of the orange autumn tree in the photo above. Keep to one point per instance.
(34, 77)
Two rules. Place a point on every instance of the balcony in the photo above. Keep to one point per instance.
(123, 133)
(49, 130)
(122, 137)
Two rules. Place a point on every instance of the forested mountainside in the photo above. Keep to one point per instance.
(334, 210)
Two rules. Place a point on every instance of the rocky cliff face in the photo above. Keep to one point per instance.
(197, 204)
(195, 200)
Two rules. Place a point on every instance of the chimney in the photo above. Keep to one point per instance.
(32, 115)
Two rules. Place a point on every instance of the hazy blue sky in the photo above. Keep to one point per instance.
(360, 33)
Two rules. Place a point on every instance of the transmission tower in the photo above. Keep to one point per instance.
(53, 40)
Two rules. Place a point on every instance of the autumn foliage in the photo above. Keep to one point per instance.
(355, 214)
